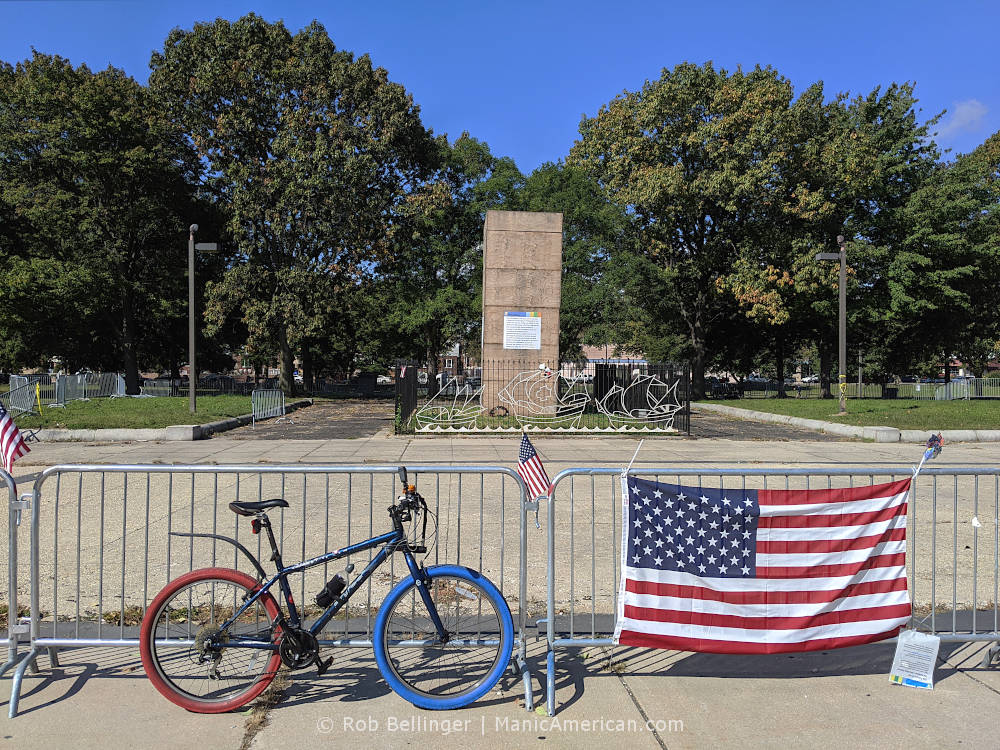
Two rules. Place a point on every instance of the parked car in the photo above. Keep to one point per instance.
(719, 388)
(810, 379)
(383, 380)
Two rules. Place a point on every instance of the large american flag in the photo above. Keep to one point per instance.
(12, 445)
(761, 571)
(529, 466)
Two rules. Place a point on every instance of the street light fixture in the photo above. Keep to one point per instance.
(842, 365)
(192, 369)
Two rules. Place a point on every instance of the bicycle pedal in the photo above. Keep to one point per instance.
(322, 666)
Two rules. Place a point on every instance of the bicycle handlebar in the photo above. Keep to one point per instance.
(411, 500)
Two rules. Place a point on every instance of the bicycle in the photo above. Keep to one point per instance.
(213, 639)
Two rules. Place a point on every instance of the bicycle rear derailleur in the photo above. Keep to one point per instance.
(299, 649)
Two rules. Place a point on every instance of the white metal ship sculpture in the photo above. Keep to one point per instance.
(456, 406)
(533, 398)
(645, 402)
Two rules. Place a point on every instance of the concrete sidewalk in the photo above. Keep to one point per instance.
(556, 452)
(628, 698)
(100, 697)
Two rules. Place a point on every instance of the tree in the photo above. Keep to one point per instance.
(849, 168)
(692, 156)
(593, 230)
(96, 182)
(942, 283)
(895, 157)
(436, 271)
(311, 151)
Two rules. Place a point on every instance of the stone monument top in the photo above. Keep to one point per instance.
(522, 283)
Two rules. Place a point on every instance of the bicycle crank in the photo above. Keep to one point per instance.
(298, 648)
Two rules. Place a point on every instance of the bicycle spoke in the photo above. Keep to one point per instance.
(444, 670)
(197, 660)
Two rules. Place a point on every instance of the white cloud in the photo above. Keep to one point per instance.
(965, 117)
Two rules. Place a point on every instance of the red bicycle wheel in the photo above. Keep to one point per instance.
(185, 616)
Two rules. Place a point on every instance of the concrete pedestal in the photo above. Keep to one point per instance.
(522, 273)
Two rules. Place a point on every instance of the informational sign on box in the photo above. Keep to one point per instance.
(522, 330)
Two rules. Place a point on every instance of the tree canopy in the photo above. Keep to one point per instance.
(94, 186)
(311, 150)
(693, 209)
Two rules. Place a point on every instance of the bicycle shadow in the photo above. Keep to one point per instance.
(347, 681)
(355, 678)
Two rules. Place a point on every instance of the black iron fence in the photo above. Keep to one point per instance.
(364, 385)
(210, 385)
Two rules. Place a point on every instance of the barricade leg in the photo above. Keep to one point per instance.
(15, 690)
(990, 655)
(550, 683)
(529, 698)
(12, 661)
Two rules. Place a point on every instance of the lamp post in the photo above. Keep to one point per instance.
(192, 369)
(842, 363)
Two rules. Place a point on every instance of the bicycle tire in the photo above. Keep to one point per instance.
(178, 671)
(461, 671)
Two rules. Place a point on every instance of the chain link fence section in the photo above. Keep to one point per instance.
(958, 388)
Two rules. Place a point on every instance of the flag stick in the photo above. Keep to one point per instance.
(637, 449)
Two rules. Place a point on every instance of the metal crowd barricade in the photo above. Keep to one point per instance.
(21, 397)
(267, 403)
(75, 387)
(15, 627)
(953, 533)
(102, 544)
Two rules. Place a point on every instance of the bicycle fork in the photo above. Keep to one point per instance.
(423, 580)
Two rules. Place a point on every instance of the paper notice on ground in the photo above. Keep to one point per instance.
(916, 655)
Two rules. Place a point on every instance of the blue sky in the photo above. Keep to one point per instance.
(519, 75)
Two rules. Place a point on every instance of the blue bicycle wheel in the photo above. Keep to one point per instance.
(437, 673)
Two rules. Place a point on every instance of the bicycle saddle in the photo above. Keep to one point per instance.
(252, 508)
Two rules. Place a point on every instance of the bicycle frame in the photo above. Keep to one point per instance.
(390, 543)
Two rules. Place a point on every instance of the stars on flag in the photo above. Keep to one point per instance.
(712, 534)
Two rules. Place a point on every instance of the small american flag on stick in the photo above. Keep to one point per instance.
(529, 466)
(12, 445)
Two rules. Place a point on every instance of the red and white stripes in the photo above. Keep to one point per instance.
(830, 572)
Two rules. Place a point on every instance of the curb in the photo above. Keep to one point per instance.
(876, 434)
(164, 434)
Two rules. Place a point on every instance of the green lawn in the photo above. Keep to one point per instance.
(904, 414)
(136, 413)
